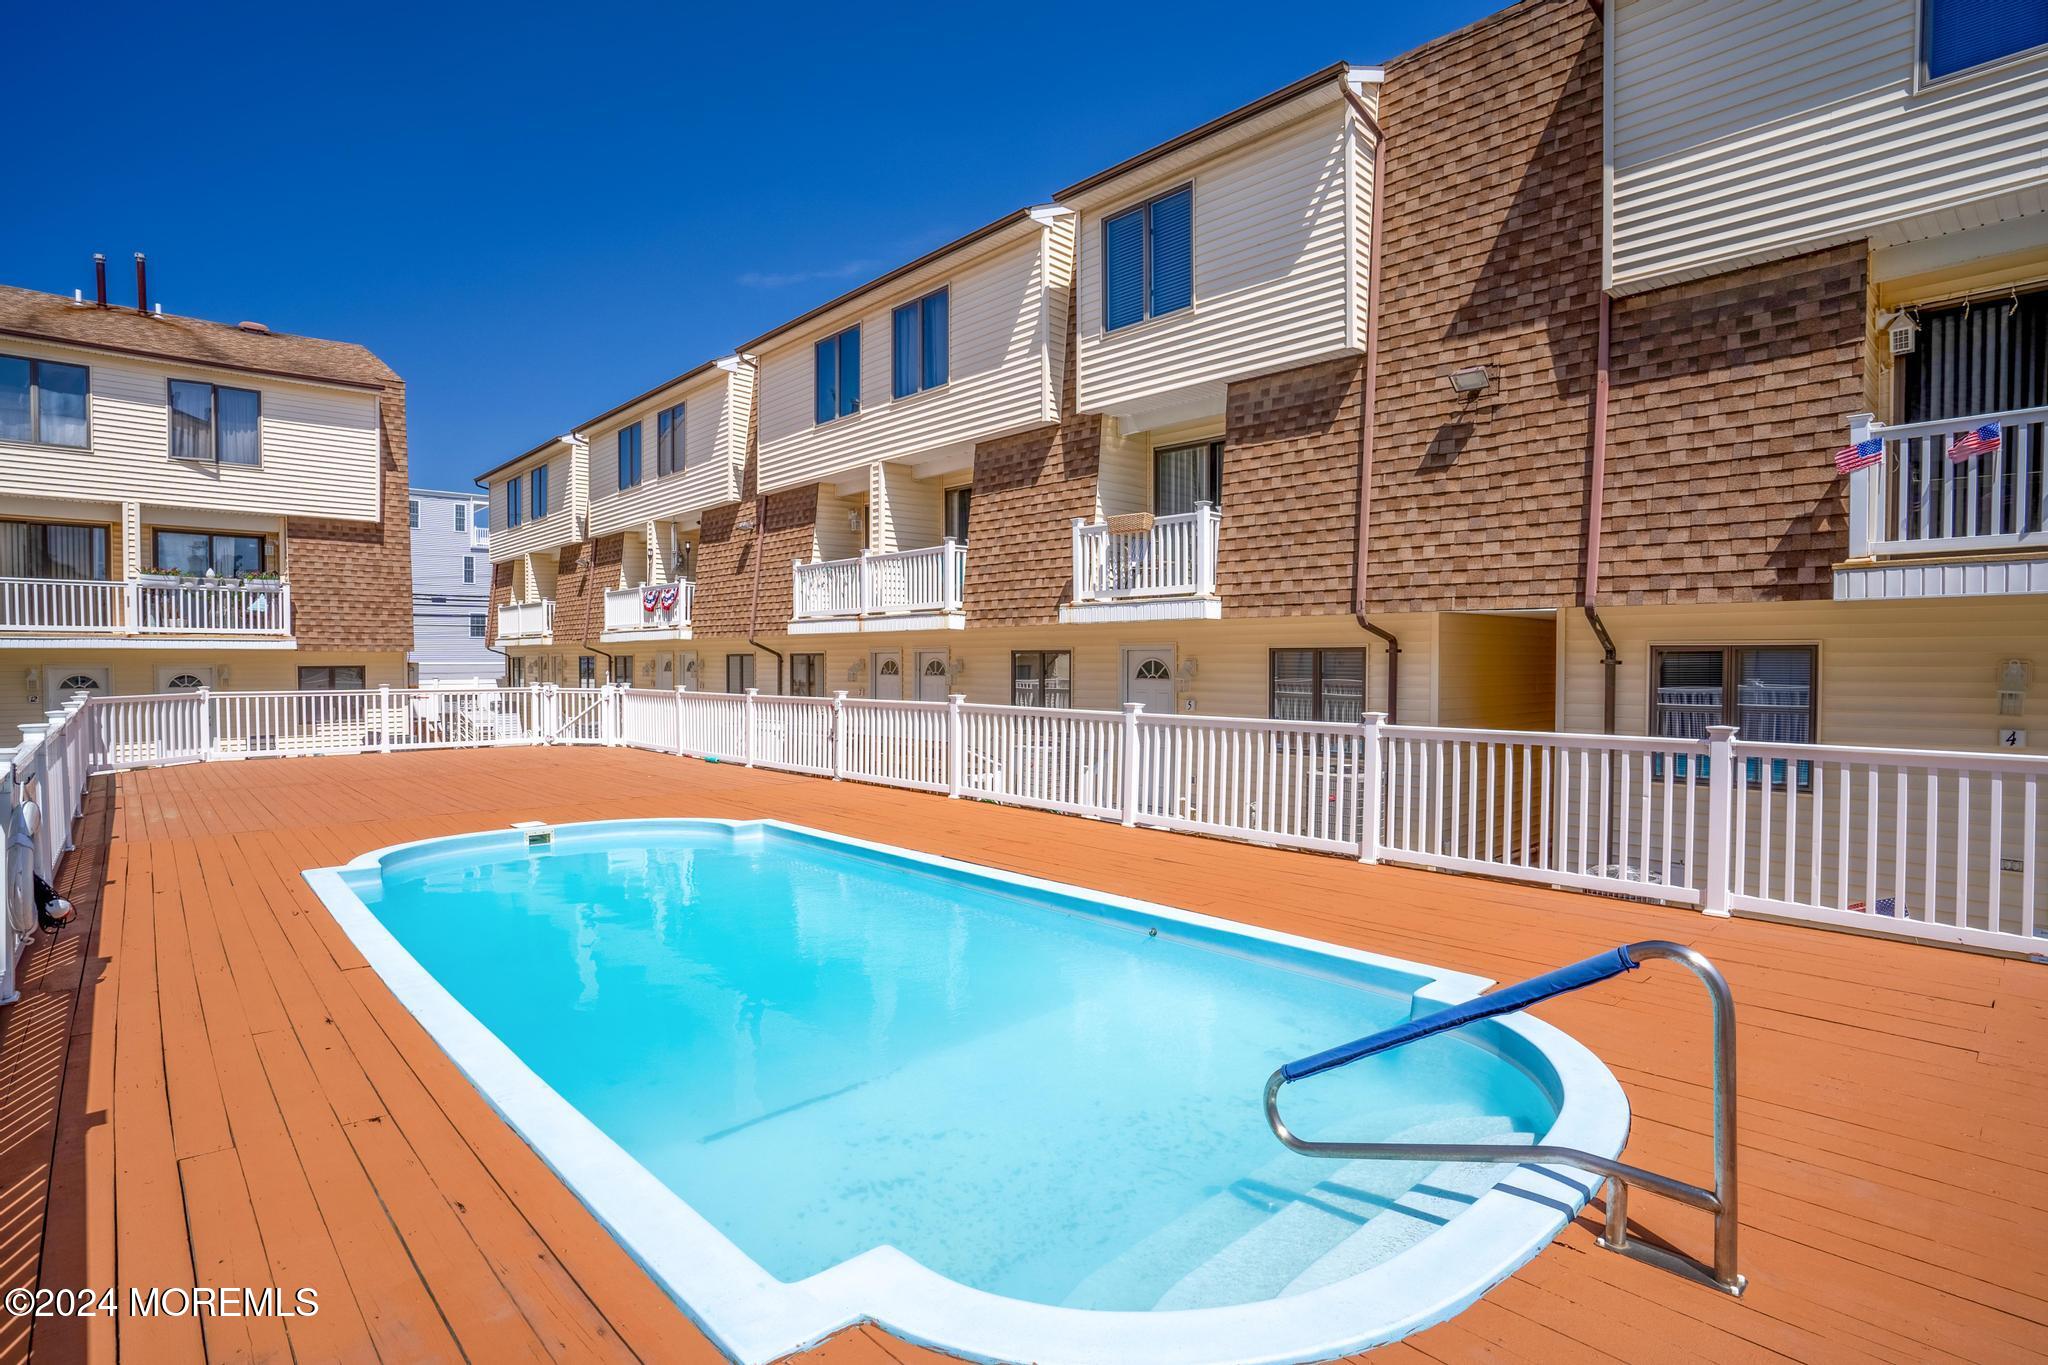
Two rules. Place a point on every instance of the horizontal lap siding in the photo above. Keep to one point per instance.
(351, 580)
(999, 324)
(1751, 129)
(319, 446)
(557, 528)
(711, 457)
(1271, 249)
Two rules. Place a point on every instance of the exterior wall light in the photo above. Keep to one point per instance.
(1471, 381)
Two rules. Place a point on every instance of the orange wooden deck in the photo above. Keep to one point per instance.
(204, 1084)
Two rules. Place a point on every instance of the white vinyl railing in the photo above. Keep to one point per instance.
(1176, 557)
(145, 606)
(1940, 846)
(526, 620)
(655, 606)
(46, 771)
(888, 583)
(1918, 501)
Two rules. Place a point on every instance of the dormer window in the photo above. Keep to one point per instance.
(1148, 259)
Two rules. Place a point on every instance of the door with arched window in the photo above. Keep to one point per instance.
(62, 682)
(934, 681)
(173, 678)
(888, 670)
(1148, 678)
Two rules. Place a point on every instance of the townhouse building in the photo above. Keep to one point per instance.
(1498, 387)
(190, 504)
(451, 587)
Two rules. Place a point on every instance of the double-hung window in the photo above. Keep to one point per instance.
(539, 501)
(476, 625)
(1768, 692)
(332, 678)
(806, 675)
(668, 441)
(739, 672)
(918, 342)
(216, 423)
(42, 402)
(461, 512)
(513, 513)
(412, 513)
(838, 375)
(1957, 35)
(629, 455)
(1041, 677)
(469, 568)
(1184, 477)
(959, 502)
(1148, 259)
(1317, 684)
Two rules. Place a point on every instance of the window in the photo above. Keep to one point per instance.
(629, 456)
(958, 503)
(1317, 684)
(1957, 35)
(515, 670)
(1771, 701)
(461, 514)
(586, 671)
(477, 622)
(1148, 259)
(622, 669)
(212, 422)
(469, 568)
(47, 549)
(512, 508)
(739, 672)
(918, 341)
(668, 441)
(806, 675)
(194, 552)
(1184, 476)
(42, 402)
(539, 480)
(412, 513)
(331, 678)
(1041, 677)
(183, 682)
(838, 359)
(69, 684)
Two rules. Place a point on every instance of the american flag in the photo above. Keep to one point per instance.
(1862, 455)
(1979, 441)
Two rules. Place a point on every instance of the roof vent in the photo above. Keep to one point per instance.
(256, 327)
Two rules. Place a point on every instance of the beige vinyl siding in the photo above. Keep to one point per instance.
(999, 380)
(713, 416)
(1496, 672)
(1273, 241)
(134, 672)
(319, 446)
(1743, 130)
(567, 471)
(908, 512)
(1916, 675)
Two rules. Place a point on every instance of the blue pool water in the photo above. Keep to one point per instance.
(824, 1049)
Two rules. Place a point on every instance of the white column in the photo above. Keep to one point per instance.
(956, 742)
(1372, 795)
(867, 582)
(1864, 486)
(1132, 710)
(1721, 797)
(747, 727)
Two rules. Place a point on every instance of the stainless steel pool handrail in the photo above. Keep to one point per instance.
(1719, 1201)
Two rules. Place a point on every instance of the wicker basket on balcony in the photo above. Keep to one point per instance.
(1131, 524)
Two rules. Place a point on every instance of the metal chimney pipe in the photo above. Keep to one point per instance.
(141, 285)
(99, 277)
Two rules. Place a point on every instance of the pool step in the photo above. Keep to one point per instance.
(1308, 1240)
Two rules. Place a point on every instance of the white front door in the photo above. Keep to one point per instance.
(1148, 678)
(61, 683)
(172, 678)
(933, 681)
(888, 669)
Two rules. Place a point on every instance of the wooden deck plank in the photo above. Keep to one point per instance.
(209, 1082)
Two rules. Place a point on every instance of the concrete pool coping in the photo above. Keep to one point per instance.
(757, 1318)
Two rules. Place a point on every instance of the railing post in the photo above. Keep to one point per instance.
(1864, 486)
(747, 727)
(867, 581)
(838, 735)
(131, 606)
(205, 696)
(384, 718)
(1206, 521)
(956, 743)
(534, 714)
(1081, 592)
(1371, 783)
(10, 798)
(1721, 797)
(679, 720)
(612, 706)
(1128, 797)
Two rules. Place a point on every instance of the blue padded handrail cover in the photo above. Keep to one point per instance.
(1611, 963)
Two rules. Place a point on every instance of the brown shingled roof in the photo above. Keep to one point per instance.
(52, 317)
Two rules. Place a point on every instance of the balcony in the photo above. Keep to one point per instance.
(526, 623)
(1146, 568)
(1925, 523)
(656, 611)
(140, 609)
(893, 590)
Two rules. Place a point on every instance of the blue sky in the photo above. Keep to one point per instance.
(533, 213)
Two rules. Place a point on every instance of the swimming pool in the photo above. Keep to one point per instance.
(808, 1080)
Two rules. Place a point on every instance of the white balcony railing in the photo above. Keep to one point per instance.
(145, 607)
(1916, 500)
(526, 620)
(893, 583)
(653, 606)
(1169, 557)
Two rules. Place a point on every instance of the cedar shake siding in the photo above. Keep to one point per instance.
(1726, 399)
(352, 580)
(1491, 209)
(787, 525)
(586, 570)
(1289, 536)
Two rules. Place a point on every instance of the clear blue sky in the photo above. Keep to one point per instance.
(533, 213)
